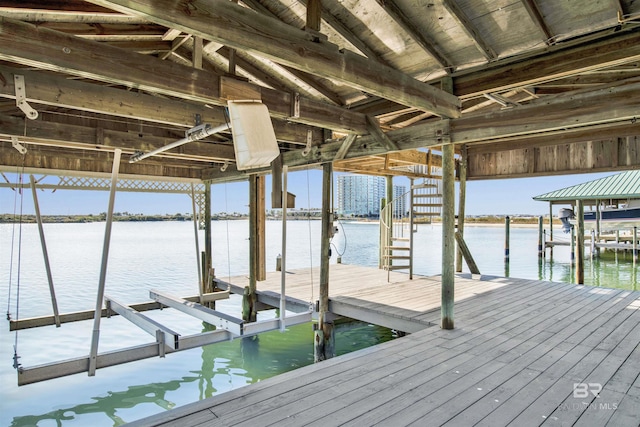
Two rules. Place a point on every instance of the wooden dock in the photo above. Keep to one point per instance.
(524, 352)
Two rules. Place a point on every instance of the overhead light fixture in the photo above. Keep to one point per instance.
(194, 134)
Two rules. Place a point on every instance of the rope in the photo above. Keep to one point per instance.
(20, 173)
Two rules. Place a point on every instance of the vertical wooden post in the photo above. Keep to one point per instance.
(462, 195)
(540, 239)
(580, 242)
(635, 246)
(261, 261)
(507, 225)
(598, 220)
(283, 259)
(197, 240)
(314, 14)
(249, 296)
(208, 250)
(551, 229)
(45, 253)
(411, 230)
(324, 340)
(390, 211)
(573, 246)
(95, 337)
(448, 236)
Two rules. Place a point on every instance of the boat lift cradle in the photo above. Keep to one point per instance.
(166, 340)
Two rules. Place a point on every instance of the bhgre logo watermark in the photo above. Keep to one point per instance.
(589, 391)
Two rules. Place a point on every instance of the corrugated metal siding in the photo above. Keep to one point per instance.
(620, 186)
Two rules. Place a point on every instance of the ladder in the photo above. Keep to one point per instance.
(396, 230)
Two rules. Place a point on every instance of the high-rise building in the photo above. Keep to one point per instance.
(360, 195)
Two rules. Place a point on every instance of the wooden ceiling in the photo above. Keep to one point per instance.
(341, 78)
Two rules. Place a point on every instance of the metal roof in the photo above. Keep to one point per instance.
(625, 185)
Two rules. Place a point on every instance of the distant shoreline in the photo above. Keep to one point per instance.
(485, 220)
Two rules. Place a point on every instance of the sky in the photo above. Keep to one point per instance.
(486, 197)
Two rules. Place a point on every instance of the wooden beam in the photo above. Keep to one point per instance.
(314, 14)
(238, 27)
(346, 145)
(556, 62)
(471, 30)
(420, 37)
(536, 16)
(39, 47)
(379, 135)
(349, 36)
(571, 110)
(49, 133)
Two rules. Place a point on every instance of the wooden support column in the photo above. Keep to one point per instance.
(324, 340)
(598, 221)
(551, 229)
(261, 269)
(249, 297)
(314, 14)
(448, 236)
(507, 223)
(580, 242)
(207, 258)
(390, 213)
(540, 239)
(462, 195)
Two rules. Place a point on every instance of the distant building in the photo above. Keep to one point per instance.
(360, 195)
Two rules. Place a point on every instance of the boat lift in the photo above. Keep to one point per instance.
(166, 340)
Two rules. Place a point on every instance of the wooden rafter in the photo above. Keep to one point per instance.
(349, 36)
(23, 43)
(470, 29)
(232, 25)
(50, 90)
(534, 12)
(307, 79)
(420, 37)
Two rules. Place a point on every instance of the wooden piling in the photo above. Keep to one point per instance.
(462, 194)
(635, 246)
(580, 242)
(507, 222)
(540, 238)
(324, 339)
(249, 298)
(551, 229)
(448, 236)
(208, 253)
(573, 246)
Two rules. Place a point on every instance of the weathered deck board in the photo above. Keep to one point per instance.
(518, 349)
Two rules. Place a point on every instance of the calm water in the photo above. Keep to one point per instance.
(153, 255)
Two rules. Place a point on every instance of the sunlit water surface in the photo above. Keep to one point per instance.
(162, 255)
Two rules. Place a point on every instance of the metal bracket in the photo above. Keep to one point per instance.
(295, 105)
(15, 144)
(21, 98)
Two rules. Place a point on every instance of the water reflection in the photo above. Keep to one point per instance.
(222, 367)
(109, 405)
(610, 269)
